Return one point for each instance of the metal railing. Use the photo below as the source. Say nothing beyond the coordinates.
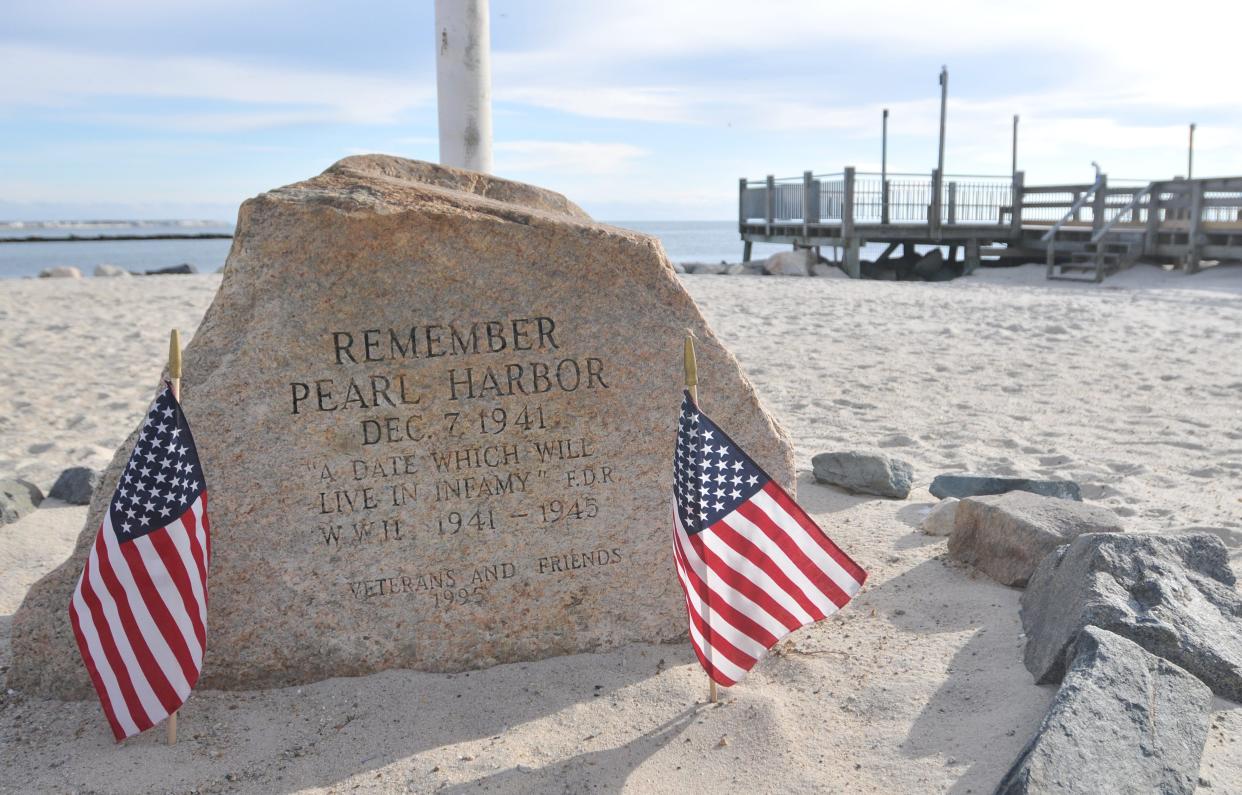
(866, 197)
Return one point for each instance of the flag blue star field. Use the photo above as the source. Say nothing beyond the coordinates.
(753, 565)
(139, 611)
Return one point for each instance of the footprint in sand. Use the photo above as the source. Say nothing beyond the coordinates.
(1055, 460)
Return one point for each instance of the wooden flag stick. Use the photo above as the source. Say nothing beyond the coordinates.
(174, 363)
(692, 386)
(174, 378)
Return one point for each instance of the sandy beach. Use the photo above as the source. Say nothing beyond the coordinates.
(1132, 388)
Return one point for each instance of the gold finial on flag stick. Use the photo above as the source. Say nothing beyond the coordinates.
(174, 378)
(692, 386)
(174, 362)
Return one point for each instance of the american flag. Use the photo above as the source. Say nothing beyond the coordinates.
(139, 611)
(753, 565)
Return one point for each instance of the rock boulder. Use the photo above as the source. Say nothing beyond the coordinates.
(960, 486)
(1007, 535)
(940, 520)
(1123, 721)
(60, 272)
(17, 498)
(790, 263)
(864, 473)
(111, 271)
(1173, 595)
(174, 270)
(435, 411)
(75, 486)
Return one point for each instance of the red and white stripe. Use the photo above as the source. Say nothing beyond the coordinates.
(139, 614)
(756, 575)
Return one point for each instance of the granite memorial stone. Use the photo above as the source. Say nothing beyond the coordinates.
(436, 414)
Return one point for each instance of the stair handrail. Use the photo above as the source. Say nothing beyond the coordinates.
(1129, 206)
(1078, 204)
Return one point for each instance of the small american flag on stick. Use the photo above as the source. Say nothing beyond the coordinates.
(139, 611)
(752, 563)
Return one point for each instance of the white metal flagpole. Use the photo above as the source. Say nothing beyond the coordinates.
(464, 84)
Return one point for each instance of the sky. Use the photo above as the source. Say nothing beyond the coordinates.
(635, 109)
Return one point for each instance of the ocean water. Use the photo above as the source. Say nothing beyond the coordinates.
(27, 259)
(685, 241)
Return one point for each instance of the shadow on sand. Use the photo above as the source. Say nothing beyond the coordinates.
(602, 771)
(987, 706)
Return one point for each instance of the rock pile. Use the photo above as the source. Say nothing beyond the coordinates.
(1172, 595)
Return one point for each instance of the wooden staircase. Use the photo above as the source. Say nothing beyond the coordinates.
(1115, 252)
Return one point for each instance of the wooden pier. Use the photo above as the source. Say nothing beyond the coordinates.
(1083, 232)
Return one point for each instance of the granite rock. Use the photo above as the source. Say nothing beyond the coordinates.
(1123, 721)
(864, 473)
(60, 272)
(1007, 535)
(930, 264)
(790, 263)
(174, 270)
(1173, 595)
(17, 498)
(111, 271)
(940, 519)
(75, 486)
(434, 411)
(706, 268)
(966, 485)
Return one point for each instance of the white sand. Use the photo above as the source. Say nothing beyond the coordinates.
(1134, 388)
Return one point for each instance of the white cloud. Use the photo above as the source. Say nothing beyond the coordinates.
(39, 76)
(575, 158)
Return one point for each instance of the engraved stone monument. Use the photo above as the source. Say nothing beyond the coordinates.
(435, 411)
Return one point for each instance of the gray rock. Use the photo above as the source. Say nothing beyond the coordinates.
(17, 498)
(60, 272)
(1007, 535)
(183, 268)
(826, 271)
(75, 485)
(930, 263)
(866, 473)
(678, 267)
(1123, 721)
(966, 485)
(735, 269)
(1172, 595)
(940, 520)
(790, 263)
(111, 271)
(708, 268)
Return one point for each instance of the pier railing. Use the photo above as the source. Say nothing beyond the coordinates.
(864, 197)
(875, 198)
(1179, 218)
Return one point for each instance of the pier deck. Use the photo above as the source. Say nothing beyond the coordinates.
(1082, 231)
